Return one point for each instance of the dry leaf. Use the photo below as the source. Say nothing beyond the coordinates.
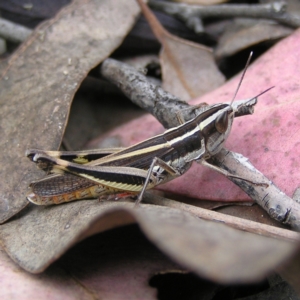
(39, 235)
(117, 264)
(188, 69)
(39, 82)
(42, 234)
(94, 111)
(244, 33)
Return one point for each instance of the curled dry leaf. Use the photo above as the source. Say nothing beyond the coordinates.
(39, 82)
(41, 235)
(117, 264)
(188, 69)
(269, 137)
(241, 34)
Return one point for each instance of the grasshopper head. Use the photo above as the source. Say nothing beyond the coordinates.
(216, 129)
(220, 125)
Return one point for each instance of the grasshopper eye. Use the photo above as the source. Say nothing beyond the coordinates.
(221, 122)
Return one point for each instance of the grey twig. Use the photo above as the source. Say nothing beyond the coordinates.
(164, 106)
(274, 11)
(143, 93)
(236, 222)
(152, 98)
(13, 32)
(262, 190)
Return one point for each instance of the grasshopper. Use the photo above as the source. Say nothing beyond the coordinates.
(78, 175)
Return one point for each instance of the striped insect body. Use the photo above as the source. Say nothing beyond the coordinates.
(133, 169)
(78, 175)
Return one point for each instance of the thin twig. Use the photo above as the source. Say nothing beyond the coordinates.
(273, 11)
(235, 222)
(152, 98)
(277, 204)
(13, 32)
(143, 93)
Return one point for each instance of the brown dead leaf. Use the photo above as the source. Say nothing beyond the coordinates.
(39, 82)
(117, 264)
(38, 237)
(188, 69)
(244, 33)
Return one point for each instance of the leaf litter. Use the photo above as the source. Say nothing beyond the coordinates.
(185, 238)
(188, 69)
(38, 235)
(241, 34)
(106, 266)
(40, 80)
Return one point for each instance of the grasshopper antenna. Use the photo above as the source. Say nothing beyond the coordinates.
(243, 75)
(263, 92)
